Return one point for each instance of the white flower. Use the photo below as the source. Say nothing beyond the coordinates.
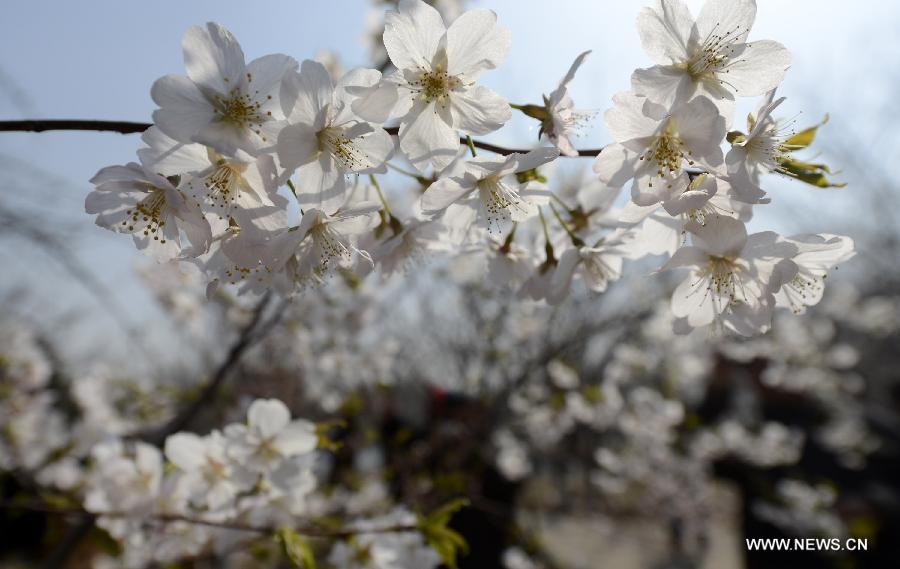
(325, 141)
(227, 187)
(707, 57)
(223, 102)
(238, 257)
(563, 119)
(308, 253)
(433, 91)
(662, 226)
(378, 550)
(653, 145)
(758, 152)
(599, 265)
(417, 239)
(121, 482)
(480, 187)
(269, 436)
(502, 262)
(730, 273)
(129, 199)
(213, 478)
(804, 282)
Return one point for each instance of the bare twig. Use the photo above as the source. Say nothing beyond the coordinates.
(309, 531)
(125, 127)
(247, 338)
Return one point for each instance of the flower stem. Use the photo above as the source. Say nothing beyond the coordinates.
(387, 208)
(576, 241)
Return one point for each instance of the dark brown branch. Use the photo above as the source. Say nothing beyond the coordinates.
(122, 127)
(125, 127)
(309, 531)
(247, 338)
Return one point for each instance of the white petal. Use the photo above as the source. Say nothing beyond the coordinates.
(649, 187)
(379, 103)
(757, 68)
(721, 235)
(213, 58)
(626, 120)
(320, 184)
(729, 18)
(298, 437)
(663, 84)
(479, 111)
(427, 137)
(615, 165)
(184, 111)
(362, 217)
(535, 158)
(267, 417)
(561, 282)
(297, 144)
(169, 157)
(475, 43)
(413, 35)
(693, 299)
(305, 97)
(702, 129)
(354, 84)
(686, 257)
(373, 150)
(186, 451)
(570, 74)
(265, 76)
(665, 31)
(442, 193)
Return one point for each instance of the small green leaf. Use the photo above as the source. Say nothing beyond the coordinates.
(326, 442)
(803, 138)
(735, 137)
(807, 172)
(446, 542)
(296, 549)
(530, 176)
(534, 111)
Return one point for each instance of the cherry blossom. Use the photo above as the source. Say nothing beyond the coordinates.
(433, 91)
(324, 141)
(223, 102)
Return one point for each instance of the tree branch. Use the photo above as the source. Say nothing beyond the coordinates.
(125, 127)
(245, 340)
(122, 127)
(309, 531)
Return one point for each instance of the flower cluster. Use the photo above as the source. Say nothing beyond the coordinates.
(231, 135)
(259, 472)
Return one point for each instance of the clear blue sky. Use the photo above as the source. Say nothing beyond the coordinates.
(98, 59)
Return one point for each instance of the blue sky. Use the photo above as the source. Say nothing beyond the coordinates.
(98, 59)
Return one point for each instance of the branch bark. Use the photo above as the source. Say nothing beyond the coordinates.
(246, 339)
(309, 531)
(125, 127)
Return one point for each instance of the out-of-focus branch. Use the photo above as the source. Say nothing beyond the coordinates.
(122, 127)
(309, 531)
(125, 127)
(250, 334)
(59, 251)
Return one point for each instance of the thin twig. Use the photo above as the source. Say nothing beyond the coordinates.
(245, 340)
(125, 127)
(309, 531)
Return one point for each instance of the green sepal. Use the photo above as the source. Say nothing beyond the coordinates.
(807, 172)
(803, 138)
(735, 137)
(447, 543)
(296, 549)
